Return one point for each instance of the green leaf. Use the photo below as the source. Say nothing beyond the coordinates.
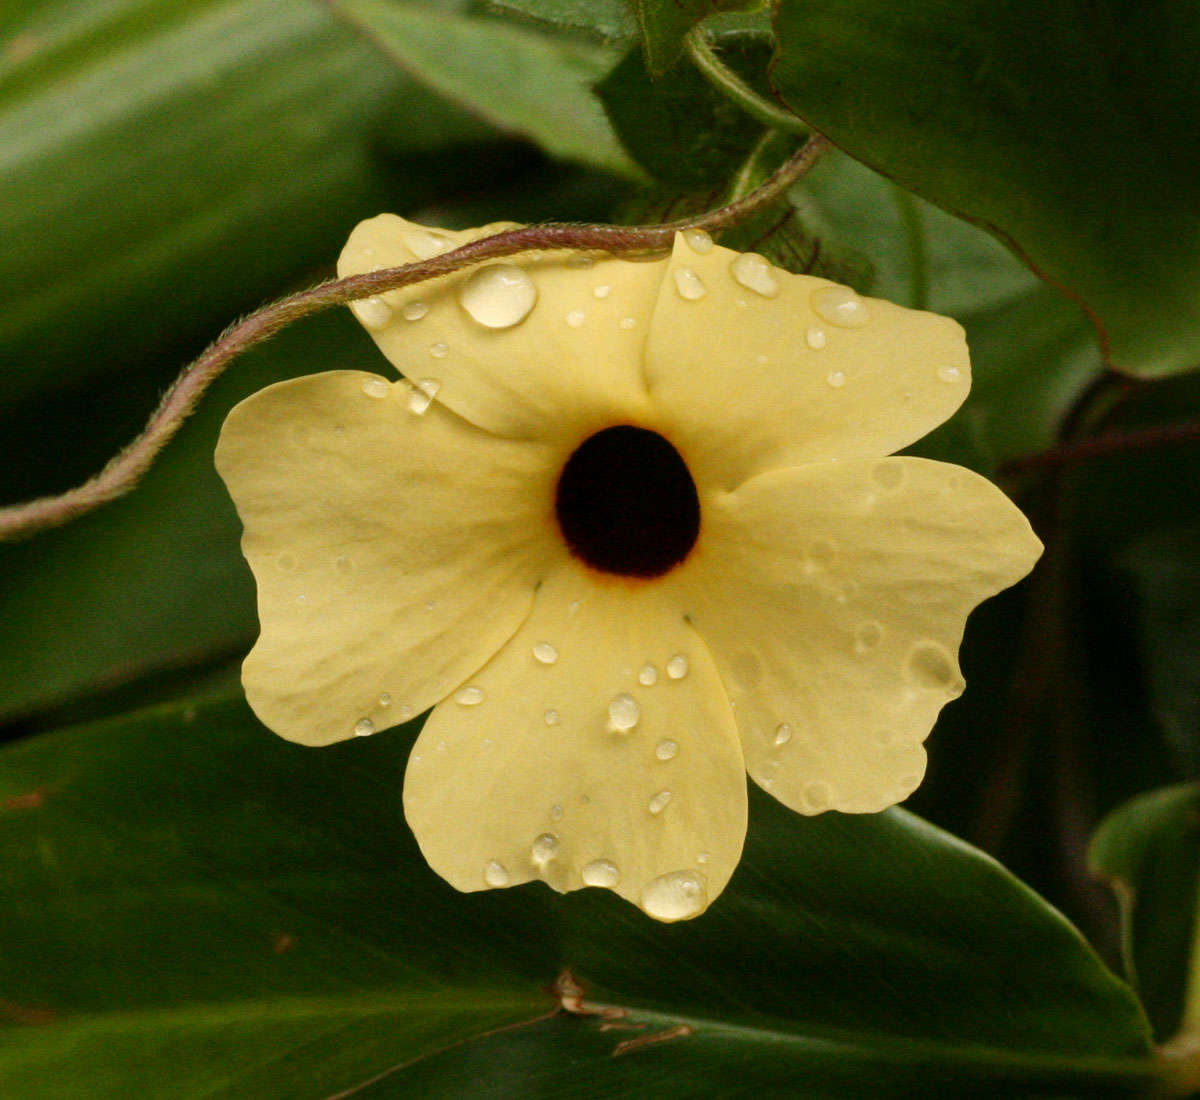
(610, 19)
(1149, 852)
(169, 163)
(1056, 127)
(199, 907)
(679, 128)
(521, 81)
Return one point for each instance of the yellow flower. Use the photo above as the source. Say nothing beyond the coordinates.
(630, 529)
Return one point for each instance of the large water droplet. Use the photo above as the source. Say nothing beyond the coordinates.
(754, 273)
(545, 653)
(698, 241)
(601, 872)
(783, 733)
(867, 637)
(414, 310)
(375, 313)
(815, 338)
(498, 295)
(688, 283)
(674, 896)
(623, 712)
(666, 749)
(545, 848)
(659, 802)
(931, 665)
(424, 243)
(375, 387)
(495, 873)
(364, 727)
(648, 676)
(839, 305)
(469, 696)
(421, 396)
(949, 374)
(677, 667)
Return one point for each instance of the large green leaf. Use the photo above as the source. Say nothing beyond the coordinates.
(522, 81)
(197, 907)
(1149, 852)
(165, 164)
(1056, 126)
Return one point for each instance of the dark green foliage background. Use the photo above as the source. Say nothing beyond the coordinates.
(195, 908)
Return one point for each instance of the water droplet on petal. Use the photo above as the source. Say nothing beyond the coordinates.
(601, 291)
(815, 338)
(688, 283)
(385, 700)
(421, 396)
(576, 318)
(495, 873)
(888, 475)
(677, 667)
(698, 241)
(545, 653)
(600, 872)
(628, 322)
(867, 637)
(648, 676)
(545, 848)
(469, 696)
(666, 749)
(414, 310)
(754, 273)
(817, 796)
(405, 711)
(556, 812)
(439, 350)
(839, 305)
(375, 313)
(949, 374)
(702, 857)
(930, 665)
(783, 733)
(552, 717)
(581, 260)
(674, 896)
(623, 712)
(659, 802)
(364, 727)
(424, 243)
(498, 295)
(375, 387)
(836, 378)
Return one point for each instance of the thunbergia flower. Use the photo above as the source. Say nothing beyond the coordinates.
(631, 529)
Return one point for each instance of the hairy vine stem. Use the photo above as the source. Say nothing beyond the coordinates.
(126, 469)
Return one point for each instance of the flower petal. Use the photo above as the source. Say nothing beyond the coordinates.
(561, 761)
(529, 346)
(833, 598)
(395, 551)
(752, 375)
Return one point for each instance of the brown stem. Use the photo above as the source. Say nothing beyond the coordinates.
(1109, 443)
(126, 469)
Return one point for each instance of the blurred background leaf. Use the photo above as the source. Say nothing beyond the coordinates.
(198, 905)
(1056, 127)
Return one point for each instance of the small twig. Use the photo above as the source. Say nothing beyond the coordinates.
(125, 470)
(1110, 443)
(734, 88)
